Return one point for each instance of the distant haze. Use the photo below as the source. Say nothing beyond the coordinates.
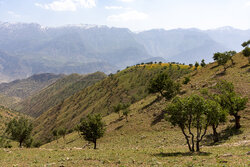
(27, 49)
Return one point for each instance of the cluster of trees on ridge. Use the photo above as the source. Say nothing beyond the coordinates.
(192, 114)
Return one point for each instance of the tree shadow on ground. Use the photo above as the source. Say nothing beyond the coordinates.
(116, 121)
(214, 67)
(245, 66)
(119, 127)
(158, 118)
(182, 154)
(71, 141)
(224, 135)
(220, 74)
(151, 103)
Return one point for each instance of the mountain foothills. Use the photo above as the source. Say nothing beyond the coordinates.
(27, 49)
(57, 92)
(15, 91)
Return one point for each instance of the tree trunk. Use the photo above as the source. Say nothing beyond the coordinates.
(215, 134)
(187, 139)
(20, 144)
(232, 61)
(198, 146)
(94, 144)
(237, 121)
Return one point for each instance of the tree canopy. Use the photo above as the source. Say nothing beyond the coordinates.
(223, 58)
(230, 100)
(163, 84)
(92, 128)
(245, 44)
(188, 113)
(20, 130)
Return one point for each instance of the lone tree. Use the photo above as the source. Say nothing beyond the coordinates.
(189, 113)
(203, 64)
(92, 128)
(222, 59)
(163, 84)
(20, 130)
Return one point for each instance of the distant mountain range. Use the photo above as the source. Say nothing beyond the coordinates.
(27, 49)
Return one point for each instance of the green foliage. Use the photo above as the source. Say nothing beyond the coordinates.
(246, 53)
(230, 100)
(245, 44)
(203, 64)
(196, 65)
(221, 59)
(62, 132)
(186, 80)
(188, 113)
(164, 85)
(216, 115)
(20, 130)
(93, 128)
(5, 143)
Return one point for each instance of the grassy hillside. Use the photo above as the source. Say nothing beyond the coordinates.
(55, 93)
(146, 139)
(127, 86)
(16, 90)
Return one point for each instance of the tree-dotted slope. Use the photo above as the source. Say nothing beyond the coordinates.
(127, 86)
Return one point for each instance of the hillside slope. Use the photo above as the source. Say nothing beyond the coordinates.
(55, 93)
(148, 140)
(127, 86)
(20, 89)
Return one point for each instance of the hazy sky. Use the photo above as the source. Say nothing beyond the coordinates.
(133, 14)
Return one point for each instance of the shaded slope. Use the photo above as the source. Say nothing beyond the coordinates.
(127, 86)
(26, 87)
(56, 93)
